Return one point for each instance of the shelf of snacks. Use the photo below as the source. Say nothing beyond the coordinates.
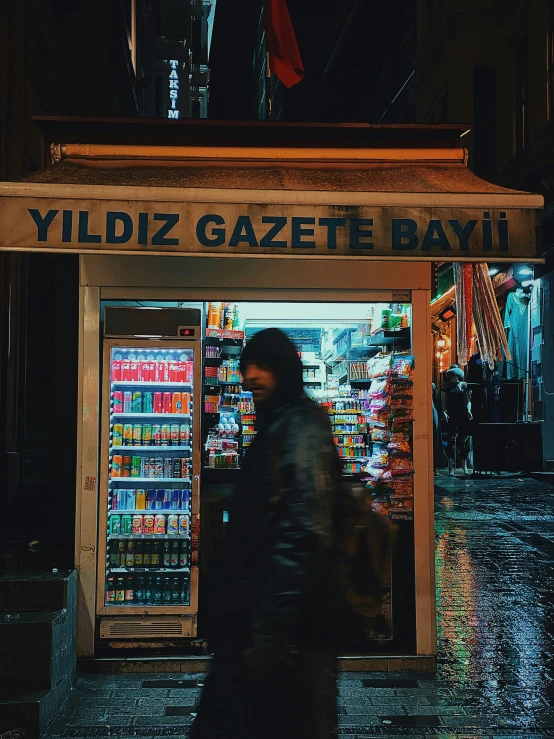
(389, 471)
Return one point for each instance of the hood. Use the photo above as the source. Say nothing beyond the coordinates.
(272, 348)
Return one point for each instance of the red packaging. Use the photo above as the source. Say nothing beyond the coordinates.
(160, 372)
(134, 371)
(126, 370)
(174, 372)
(117, 402)
(158, 403)
(145, 371)
(152, 371)
(167, 403)
(190, 371)
(183, 371)
(116, 370)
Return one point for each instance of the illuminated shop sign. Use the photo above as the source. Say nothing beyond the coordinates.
(173, 111)
(442, 233)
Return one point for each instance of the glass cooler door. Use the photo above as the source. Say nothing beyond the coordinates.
(148, 505)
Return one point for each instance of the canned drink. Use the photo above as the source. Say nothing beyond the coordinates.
(117, 404)
(150, 499)
(156, 434)
(114, 500)
(174, 431)
(175, 500)
(134, 371)
(137, 434)
(157, 401)
(152, 370)
(167, 499)
(160, 523)
(183, 371)
(156, 467)
(130, 500)
(185, 500)
(176, 402)
(126, 525)
(145, 467)
(147, 403)
(140, 500)
(184, 434)
(126, 467)
(185, 468)
(128, 434)
(116, 370)
(166, 434)
(174, 374)
(167, 467)
(137, 401)
(135, 466)
(162, 374)
(148, 524)
(117, 465)
(127, 402)
(136, 525)
(115, 525)
(184, 524)
(146, 434)
(117, 438)
(176, 468)
(166, 403)
(185, 403)
(126, 370)
(159, 503)
(144, 371)
(173, 524)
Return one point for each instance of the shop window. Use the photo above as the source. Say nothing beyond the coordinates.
(522, 96)
(484, 119)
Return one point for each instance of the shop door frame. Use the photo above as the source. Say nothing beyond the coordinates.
(379, 282)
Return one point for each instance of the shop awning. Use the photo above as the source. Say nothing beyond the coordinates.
(380, 192)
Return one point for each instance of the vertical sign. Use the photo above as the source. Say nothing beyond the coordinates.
(173, 111)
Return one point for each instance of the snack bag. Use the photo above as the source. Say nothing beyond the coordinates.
(400, 443)
(400, 465)
(379, 388)
(380, 456)
(403, 366)
(379, 366)
(380, 435)
(379, 417)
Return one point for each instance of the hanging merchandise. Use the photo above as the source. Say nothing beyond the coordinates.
(476, 304)
(516, 320)
(488, 323)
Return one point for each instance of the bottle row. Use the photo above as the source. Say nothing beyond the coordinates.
(150, 434)
(149, 554)
(142, 369)
(137, 402)
(162, 499)
(150, 467)
(172, 524)
(149, 590)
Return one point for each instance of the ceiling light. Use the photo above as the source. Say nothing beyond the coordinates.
(493, 271)
(527, 283)
(525, 271)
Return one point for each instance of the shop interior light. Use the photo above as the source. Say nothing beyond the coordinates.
(448, 313)
(527, 283)
(493, 271)
(525, 271)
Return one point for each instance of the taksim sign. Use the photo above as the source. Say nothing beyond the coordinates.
(173, 111)
(253, 229)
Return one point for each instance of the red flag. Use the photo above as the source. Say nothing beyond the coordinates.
(284, 56)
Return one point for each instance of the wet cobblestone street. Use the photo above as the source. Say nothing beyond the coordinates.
(495, 677)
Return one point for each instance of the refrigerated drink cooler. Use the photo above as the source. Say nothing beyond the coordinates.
(148, 518)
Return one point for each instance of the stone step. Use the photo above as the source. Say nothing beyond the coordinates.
(32, 712)
(37, 650)
(549, 465)
(36, 591)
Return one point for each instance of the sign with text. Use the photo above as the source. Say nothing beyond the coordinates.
(248, 229)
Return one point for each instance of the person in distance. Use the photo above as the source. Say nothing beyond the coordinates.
(274, 667)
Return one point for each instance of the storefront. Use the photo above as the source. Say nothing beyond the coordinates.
(326, 232)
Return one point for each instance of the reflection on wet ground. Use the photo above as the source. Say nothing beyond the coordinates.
(495, 600)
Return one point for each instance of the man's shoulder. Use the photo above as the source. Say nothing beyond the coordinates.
(305, 412)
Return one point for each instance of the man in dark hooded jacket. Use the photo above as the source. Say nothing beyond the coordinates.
(274, 668)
